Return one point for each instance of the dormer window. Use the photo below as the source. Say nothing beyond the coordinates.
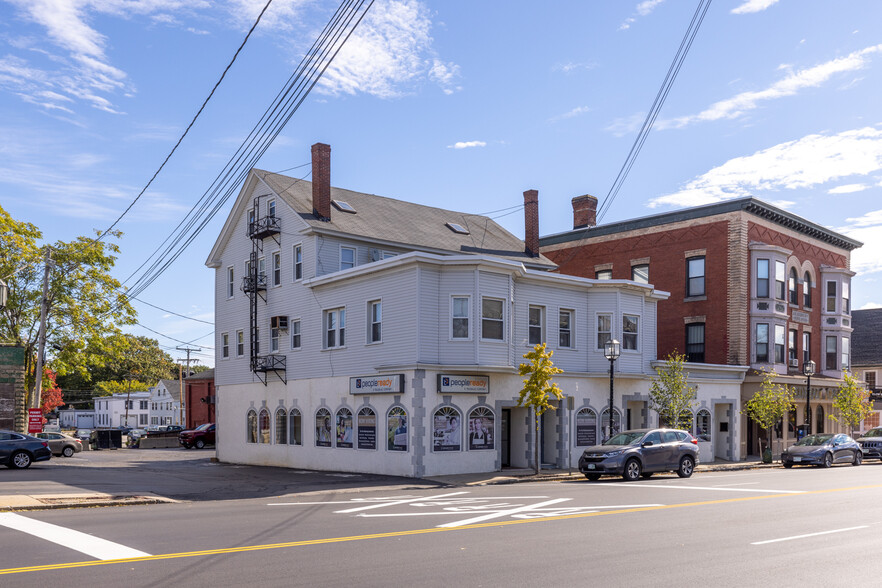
(457, 228)
(344, 206)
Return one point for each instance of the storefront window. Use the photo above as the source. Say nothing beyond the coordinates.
(344, 428)
(264, 423)
(367, 428)
(446, 433)
(586, 428)
(481, 429)
(251, 427)
(396, 425)
(323, 428)
(703, 425)
(295, 427)
(281, 427)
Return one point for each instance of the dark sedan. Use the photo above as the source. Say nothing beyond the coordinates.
(823, 450)
(19, 451)
(871, 443)
(641, 452)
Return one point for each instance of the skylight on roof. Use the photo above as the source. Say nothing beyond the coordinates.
(344, 206)
(457, 228)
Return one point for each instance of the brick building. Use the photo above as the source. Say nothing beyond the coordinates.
(199, 399)
(750, 284)
(13, 395)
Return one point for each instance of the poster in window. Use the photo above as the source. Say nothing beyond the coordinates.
(344, 429)
(367, 429)
(480, 432)
(397, 426)
(586, 428)
(445, 431)
(323, 429)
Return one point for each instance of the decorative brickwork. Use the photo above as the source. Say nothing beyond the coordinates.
(12, 389)
(739, 295)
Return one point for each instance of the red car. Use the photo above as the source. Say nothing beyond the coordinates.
(199, 437)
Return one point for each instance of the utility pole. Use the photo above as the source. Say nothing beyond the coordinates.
(188, 349)
(128, 398)
(41, 338)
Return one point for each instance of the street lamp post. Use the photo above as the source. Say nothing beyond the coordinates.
(808, 369)
(611, 350)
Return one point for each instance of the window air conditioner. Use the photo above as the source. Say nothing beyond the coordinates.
(279, 322)
(794, 363)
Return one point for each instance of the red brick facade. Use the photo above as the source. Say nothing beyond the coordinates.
(199, 397)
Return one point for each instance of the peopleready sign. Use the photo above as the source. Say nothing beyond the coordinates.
(386, 384)
(452, 384)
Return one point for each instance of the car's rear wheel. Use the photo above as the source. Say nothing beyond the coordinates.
(593, 477)
(828, 460)
(632, 470)
(687, 466)
(20, 460)
(200, 443)
(858, 458)
(68, 451)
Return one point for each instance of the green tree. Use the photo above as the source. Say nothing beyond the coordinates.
(120, 387)
(538, 387)
(670, 394)
(852, 403)
(769, 405)
(118, 356)
(84, 303)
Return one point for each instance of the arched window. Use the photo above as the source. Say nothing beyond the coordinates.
(791, 286)
(251, 430)
(819, 428)
(396, 425)
(446, 431)
(606, 433)
(323, 428)
(281, 427)
(481, 428)
(807, 290)
(344, 428)
(367, 428)
(703, 425)
(294, 426)
(263, 422)
(586, 428)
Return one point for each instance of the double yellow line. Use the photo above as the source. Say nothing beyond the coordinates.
(308, 542)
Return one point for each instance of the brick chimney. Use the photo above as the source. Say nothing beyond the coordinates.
(584, 211)
(531, 223)
(321, 181)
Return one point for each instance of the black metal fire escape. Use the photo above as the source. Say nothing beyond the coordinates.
(255, 285)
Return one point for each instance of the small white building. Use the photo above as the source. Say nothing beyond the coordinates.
(123, 409)
(165, 403)
(72, 418)
(361, 333)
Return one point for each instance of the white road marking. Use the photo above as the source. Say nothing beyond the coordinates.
(405, 501)
(809, 535)
(719, 488)
(532, 507)
(82, 542)
(739, 484)
(504, 513)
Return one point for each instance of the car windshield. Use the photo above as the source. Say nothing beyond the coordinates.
(626, 438)
(815, 440)
(874, 433)
(203, 427)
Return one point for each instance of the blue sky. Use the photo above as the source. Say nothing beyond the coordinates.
(459, 104)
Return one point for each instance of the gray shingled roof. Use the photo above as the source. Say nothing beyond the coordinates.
(406, 223)
(203, 375)
(174, 388)
(866, 340)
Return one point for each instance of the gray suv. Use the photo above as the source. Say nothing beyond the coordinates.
(871, 443)
(641, 452)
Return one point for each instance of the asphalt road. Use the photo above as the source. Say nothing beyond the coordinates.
(800, 527)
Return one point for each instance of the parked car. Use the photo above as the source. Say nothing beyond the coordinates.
(83, 435)
(61, 444)
(199, 437)
(641, 452)
(174, 428)
(823, 450)
(18, 450)
(871, 443)
(135, 435)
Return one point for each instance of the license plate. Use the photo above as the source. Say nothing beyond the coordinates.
(797, 459)
(590, 466)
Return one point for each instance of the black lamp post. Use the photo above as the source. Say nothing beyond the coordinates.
(611, 350)
(808, 369)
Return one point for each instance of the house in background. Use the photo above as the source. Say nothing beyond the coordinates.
(73, 418)
(867, 357)
(362, 333)
(751, 285)
(123, 409)
(199, 399)
(165, 403)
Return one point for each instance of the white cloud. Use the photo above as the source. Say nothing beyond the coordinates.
(626, 125)
(467, 144)
(572, 66)
(848, 189)
(389, 53)
(579, 110)
(783, 204)
(868, 230)
(753, 6)
(790, 85)
(870, 305)
(645, 8)
(805, 163)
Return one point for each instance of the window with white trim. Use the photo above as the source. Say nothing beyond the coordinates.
(536, 320)
(603, 274)
(240, 343)
(375, 321)
(298, 262)
(335, 328)
(845, 359)
(492, 324)
(780, 336)
(762, 343)
(225, 345)
(275, 334)
(251, 426)
(792, 288)
(231, 282)
(295, 427)
(780, 280)
(460, 313)
(762, 278)
(695, 276)
(830, 355)
(295, 334)
(806, 346)
(630, 331)
(565, 329)
(640, 273)
(281, 427)
(277, 269)
(831, 296)
(604, 329)
(263, 426)
(347, 257)
(271, 209)
(807, 290)
(846, 303)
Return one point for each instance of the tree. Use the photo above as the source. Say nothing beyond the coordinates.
(770, 403)
(670, 394)
(51, 398)
(538, 387)
(852, 402)
(122, 355)
(84, 303)
(110, 387)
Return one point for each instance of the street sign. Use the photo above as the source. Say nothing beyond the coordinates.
(35, 420)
